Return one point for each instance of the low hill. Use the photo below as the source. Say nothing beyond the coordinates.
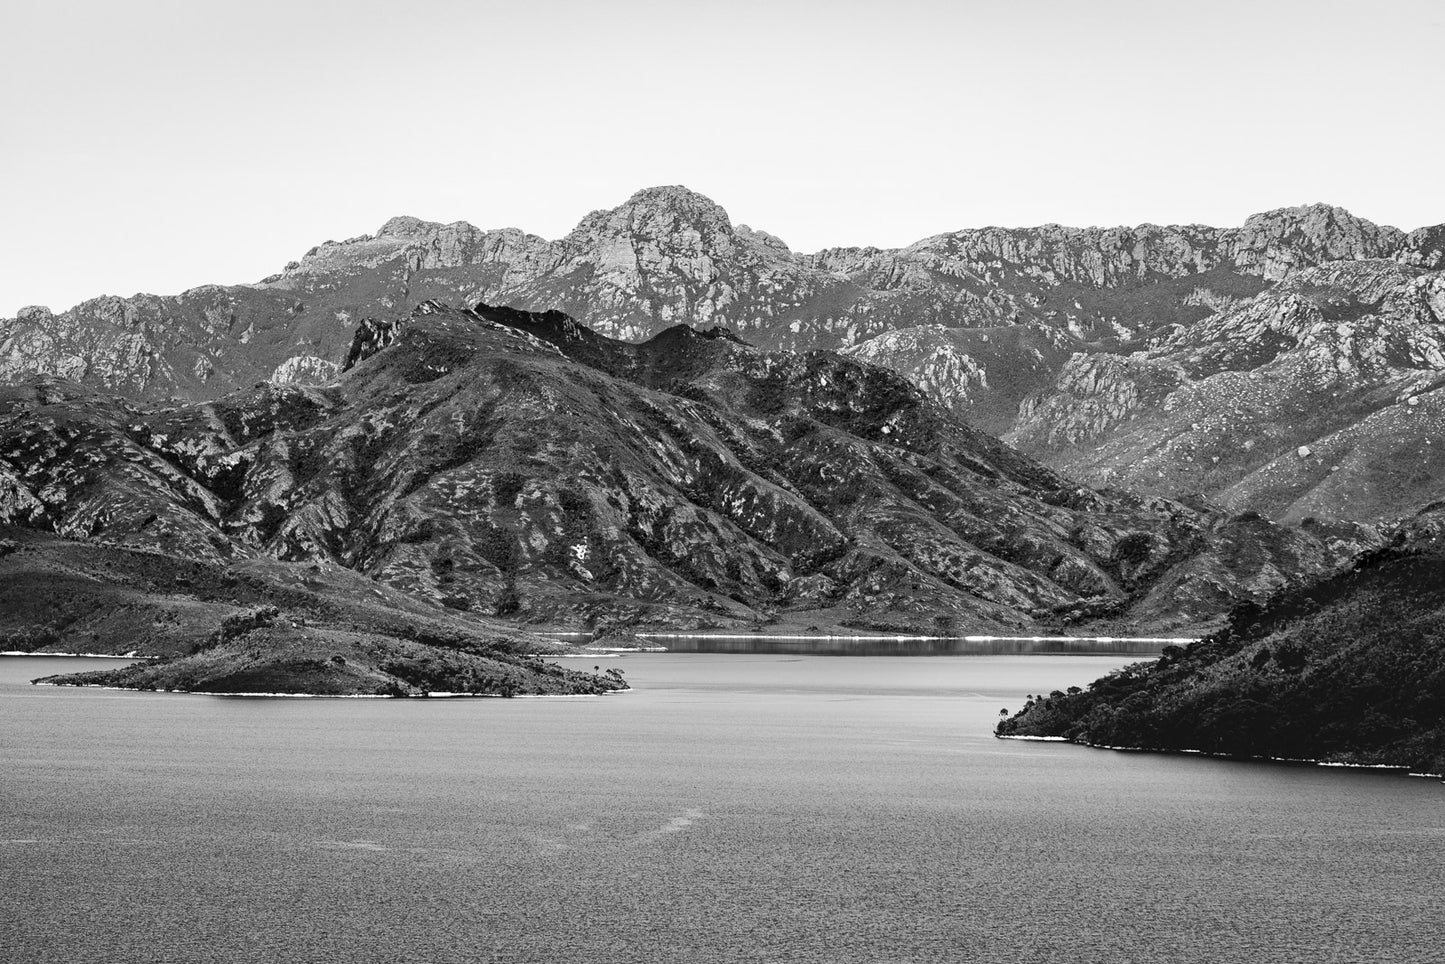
(255, 625)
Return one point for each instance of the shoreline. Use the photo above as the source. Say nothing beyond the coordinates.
(340, 696)
(902, 637)
(131, 655)
(1394, 769)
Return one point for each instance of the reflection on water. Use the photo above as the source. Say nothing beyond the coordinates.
(916, 645)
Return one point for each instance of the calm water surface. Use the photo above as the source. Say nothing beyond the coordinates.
(731, 808)
(913, 645)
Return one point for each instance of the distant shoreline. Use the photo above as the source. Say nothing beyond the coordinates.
(337, 696)
(130, 655)
(901, 638)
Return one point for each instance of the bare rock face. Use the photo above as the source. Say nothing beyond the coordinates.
(519, 464)
(370, 337)
(304, 370)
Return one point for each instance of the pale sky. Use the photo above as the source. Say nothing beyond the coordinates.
(154, 145)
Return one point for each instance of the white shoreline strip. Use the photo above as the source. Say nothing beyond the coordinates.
(131, 655)
(344, 696)
(1395, 768)
(614, 650)
(967, 639)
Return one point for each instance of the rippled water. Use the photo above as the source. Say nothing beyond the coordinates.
(732, 808)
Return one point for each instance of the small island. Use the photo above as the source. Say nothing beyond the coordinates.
(259, 626)
(1346, 671)
(273, 661)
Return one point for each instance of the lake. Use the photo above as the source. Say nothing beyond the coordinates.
(733, 807)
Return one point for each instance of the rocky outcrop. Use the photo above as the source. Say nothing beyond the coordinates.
(304, 370)
(370, 337)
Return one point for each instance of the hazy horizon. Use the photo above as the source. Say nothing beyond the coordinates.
(155, 145)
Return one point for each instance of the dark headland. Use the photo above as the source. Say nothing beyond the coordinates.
(1348, 670)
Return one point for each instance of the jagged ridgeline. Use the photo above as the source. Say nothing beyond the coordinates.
(1349, 669)
(522, 465)
(1164, 359)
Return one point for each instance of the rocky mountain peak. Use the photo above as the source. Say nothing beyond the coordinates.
(671, 215)
(34, 313)
(666, 255)
(406, 226)
(675, 197)
(1279, 242)
(1318, 220)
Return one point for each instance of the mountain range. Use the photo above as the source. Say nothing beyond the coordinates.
(1288, 366)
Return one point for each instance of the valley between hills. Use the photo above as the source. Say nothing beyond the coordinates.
(383, 469)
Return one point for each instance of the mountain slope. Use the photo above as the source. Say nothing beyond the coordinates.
(522, 465)
(1318, 397)
(1349, 669)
